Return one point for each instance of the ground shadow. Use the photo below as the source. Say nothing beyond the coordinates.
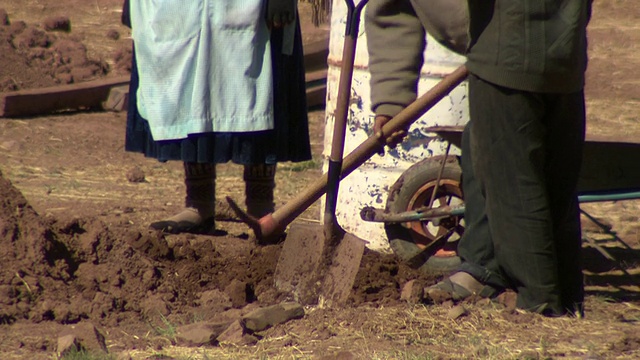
(615, 269)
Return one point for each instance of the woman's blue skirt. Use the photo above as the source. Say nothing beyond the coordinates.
(288, 141)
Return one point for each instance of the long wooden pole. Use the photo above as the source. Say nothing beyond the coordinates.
(274, 223)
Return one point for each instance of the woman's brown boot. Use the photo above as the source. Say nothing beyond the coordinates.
(198, 215)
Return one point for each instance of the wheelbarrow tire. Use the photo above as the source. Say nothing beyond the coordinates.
(412, 190)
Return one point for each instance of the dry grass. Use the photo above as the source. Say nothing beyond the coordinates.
(427, 332)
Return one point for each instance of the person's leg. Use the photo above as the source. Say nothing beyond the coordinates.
(479, 272)
(479, 266)
(476, 246)
(509, 158)
(259, 181)
(566, 124)
(199, 212)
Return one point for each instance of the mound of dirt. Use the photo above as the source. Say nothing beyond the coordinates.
(71, 270)
(34, 56)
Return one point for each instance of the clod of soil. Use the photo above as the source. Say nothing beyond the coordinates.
(57, 23)
(4, 17)
(135, 175)
(113, 34)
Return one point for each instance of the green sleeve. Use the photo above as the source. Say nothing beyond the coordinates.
(396, 42)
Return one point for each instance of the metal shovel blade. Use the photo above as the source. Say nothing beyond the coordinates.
(297, 271)
(311, 267)
(341, 275)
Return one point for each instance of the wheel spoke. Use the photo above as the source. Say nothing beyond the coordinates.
(446, 200)
(459, 229)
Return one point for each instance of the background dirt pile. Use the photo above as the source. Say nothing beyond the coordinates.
(41, 55)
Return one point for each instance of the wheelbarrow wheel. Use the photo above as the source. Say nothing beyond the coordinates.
(414, 190)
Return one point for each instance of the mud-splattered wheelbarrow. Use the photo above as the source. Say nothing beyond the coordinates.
(424, 213)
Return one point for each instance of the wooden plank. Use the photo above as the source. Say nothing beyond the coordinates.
(316, 76)
(316, 54)
(86, 95)
(316, 87)
(316, 96)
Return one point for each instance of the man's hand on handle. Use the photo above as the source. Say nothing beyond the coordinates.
(391, 140)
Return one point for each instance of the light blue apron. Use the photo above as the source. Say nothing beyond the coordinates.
(204, 65)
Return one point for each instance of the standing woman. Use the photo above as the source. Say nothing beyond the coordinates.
(214, 81)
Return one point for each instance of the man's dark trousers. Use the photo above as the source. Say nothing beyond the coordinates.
(521, 160)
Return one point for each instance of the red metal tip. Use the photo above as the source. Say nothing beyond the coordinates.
(265, 229)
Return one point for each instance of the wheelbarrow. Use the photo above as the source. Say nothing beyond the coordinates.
(424, 214)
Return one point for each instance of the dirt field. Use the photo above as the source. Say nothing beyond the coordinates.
(76, 253)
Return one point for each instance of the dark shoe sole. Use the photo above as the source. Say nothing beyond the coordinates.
(207, 227)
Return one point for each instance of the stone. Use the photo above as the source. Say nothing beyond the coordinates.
(66, 344)
(457, 312)
(118, 99)
(199, 334)
(84, 335)
(412, 292)
(263, 318)
(233, 334)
